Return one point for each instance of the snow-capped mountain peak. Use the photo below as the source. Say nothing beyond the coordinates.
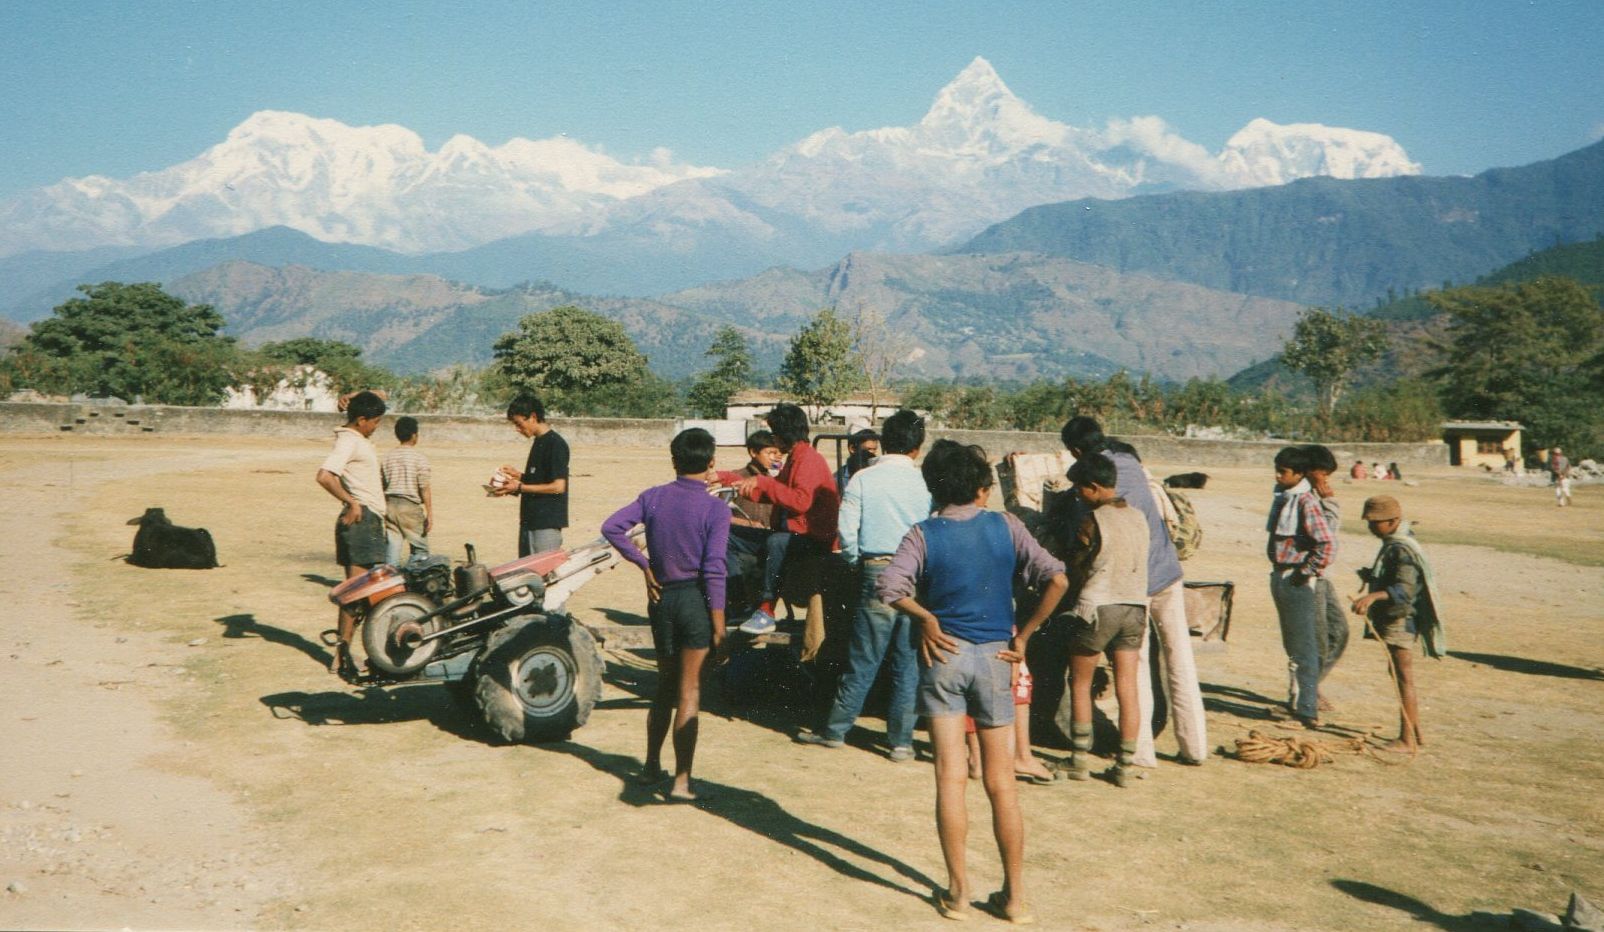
(977, 108)
(979, 155)
(1265, 153)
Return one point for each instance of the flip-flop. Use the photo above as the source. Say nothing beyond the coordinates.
(997, 905)
(652, 776)
(1039, 779)
(948, 907)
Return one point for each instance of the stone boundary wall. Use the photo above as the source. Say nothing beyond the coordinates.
(104, 420)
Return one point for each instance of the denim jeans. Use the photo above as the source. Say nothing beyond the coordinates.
(1299, 608)
(878, 632)
(539, 540)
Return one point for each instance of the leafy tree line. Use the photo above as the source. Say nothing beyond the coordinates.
(1528, 351)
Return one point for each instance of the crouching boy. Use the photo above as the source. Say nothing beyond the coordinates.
(687, 532)
(1108, 578)
(1400, 608)
(954, 574)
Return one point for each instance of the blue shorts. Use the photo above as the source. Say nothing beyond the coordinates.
(972, 682)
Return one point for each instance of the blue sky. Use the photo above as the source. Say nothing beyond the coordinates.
(119, 87)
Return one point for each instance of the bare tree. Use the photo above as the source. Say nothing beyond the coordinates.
(880, 350)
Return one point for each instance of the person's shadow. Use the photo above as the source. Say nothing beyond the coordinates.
(758, 813)
(246, 626)
(1528, 666)
(1475, 921)
(748, 809)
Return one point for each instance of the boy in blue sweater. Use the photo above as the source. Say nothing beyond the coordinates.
(954, 575)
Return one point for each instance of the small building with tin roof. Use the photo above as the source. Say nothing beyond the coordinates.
(1481, 443)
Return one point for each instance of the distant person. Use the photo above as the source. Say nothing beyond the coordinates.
(954, 573)
(1166, 589)
(686, 533)
(881, 503)
(408, 499)
(1559, 471)
(1401, 607)
(542, 485)
(351, 474)
(1301, 544)
(1333, 632)
(1358, 470)
(862, 447)
(1394, 473)
(1511, 460)
(1107, 570)
(1377, 471)
(808, 493)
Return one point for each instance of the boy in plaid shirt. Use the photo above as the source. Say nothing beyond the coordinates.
(1301, 546)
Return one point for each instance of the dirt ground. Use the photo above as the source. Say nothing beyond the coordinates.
(177, 756)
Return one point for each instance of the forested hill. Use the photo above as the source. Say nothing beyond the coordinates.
(1323, 241)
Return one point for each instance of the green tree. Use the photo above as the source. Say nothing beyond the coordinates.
(731, 372)
(566, 352)
(129, 341)
(1525, 352)
(340, 361)
(821, 367)
(1327, 346)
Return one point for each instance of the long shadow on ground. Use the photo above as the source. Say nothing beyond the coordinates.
(758, 813)
(430, 702)
(1528, 666)
(745, 808)
(1475, 921)
(246, 626)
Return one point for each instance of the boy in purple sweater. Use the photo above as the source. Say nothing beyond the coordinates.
(687, 533)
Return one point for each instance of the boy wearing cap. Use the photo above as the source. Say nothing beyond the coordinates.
(1400, 607)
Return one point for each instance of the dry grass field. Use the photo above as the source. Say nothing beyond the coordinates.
(177, 756)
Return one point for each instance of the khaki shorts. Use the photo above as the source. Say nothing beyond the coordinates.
(1117, 627)
(1395, 632)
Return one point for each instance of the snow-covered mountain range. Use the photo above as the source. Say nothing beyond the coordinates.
(977, 157)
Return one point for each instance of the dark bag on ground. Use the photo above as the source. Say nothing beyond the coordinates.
(161, 544)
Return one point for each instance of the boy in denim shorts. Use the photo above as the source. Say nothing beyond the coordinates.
(954, 575)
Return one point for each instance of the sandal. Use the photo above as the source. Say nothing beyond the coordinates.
(948, 907)
(651, 776)
(1037, 779)
(997, 905)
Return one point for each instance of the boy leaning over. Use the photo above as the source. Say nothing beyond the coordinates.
(1400, 607)
(687, 532)
(351, 474)
(954, 573)
(1107, 567)
(1301, 545)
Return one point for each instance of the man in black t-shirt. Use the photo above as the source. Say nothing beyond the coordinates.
(542, 485)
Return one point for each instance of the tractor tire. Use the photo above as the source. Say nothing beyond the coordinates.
(382, 627)
(537, 679)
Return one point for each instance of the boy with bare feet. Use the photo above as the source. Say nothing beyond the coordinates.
(687, 533)
(953, 574)
(1108, 573)
(1400, 608)
(351, 474)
